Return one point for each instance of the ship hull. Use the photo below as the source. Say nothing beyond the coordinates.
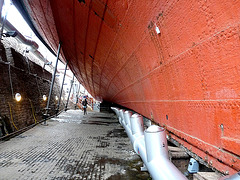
(184, 77)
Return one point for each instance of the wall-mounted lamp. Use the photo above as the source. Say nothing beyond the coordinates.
(44, 97)
(18, 97)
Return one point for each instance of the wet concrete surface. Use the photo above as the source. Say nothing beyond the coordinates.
(72, 146)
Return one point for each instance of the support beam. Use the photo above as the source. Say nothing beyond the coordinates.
(77, 95)
(59, 100)
(69, 93)
(46, 115)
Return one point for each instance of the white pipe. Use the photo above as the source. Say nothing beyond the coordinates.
(163, 169)
(136, 122)
(127, 116)
(121, 111)
(128, 131)
(116, 110)
(151, 145)
(158, 164)
(156, 142)
(231, 177)
(32, 44)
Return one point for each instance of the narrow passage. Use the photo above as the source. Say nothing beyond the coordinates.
(72, 146)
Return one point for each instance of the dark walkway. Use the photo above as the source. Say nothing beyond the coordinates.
(72, 146)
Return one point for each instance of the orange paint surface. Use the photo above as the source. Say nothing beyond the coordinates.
(189, 72)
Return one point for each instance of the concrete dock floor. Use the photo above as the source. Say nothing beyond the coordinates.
(72, 146)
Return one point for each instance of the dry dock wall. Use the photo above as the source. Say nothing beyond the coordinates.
(31, 81)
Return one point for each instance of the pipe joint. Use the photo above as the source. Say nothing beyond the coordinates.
(121, 112)
(137, 124)
(127, 116)
(156, 142)
(150, 145)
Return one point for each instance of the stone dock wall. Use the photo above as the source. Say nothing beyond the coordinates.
(32, 82)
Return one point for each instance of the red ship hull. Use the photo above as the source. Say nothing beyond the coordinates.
(186, 78)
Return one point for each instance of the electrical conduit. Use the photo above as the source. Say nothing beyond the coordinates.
(12, 116)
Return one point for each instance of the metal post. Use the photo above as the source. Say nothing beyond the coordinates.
(52, 83)
(59, 100)
(77, 95)
(69, 94)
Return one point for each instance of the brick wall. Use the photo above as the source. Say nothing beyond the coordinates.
(31, 81)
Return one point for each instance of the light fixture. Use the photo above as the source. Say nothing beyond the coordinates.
(56, 98)
(18, 97)
(44, 97)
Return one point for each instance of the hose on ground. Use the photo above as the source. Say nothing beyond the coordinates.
(12, 116)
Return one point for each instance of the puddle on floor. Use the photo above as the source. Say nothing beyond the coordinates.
(106, 123)
(122, 169)
(117, 133)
